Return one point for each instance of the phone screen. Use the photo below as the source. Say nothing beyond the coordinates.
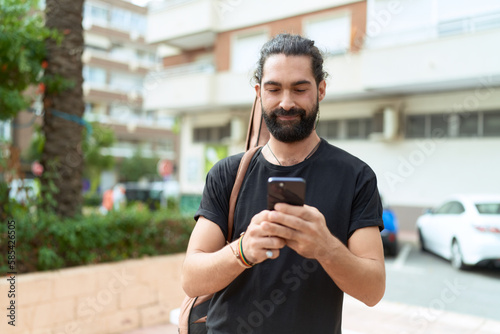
(290, 190)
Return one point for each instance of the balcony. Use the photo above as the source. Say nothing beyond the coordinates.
(196, 87)
(186, 24)
(459, 61)
(192, 24)
(125, 62)
(464, 61)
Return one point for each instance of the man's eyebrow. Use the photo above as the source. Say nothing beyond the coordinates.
(301, 82)
(296, 83)
(273, 83)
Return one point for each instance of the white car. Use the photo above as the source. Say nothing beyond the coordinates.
(465, 229)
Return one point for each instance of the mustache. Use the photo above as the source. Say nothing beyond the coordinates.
(291, 112)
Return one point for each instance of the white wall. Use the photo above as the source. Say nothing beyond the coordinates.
(422, 172)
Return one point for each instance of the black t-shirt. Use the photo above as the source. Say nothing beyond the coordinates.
(290, 294)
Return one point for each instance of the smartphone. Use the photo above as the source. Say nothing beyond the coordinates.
(290, 190)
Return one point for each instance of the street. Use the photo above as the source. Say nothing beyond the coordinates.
(424, 279)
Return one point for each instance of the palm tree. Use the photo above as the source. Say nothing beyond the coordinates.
(63, 108)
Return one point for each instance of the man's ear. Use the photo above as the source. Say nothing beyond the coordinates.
(321, 90)
(257, 90)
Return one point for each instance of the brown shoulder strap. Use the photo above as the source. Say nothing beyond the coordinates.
(257, 132)
(240, 175)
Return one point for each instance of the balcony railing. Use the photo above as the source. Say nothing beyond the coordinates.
(442, 29)
(180, 70)
(166, 4)
(469, 24)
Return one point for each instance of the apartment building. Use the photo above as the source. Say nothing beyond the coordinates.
(116, 60)
(414, 86)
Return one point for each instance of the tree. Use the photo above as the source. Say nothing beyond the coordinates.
(95, 161)
(22, 54)
(97, 138)
(62, 156)
(137, 167)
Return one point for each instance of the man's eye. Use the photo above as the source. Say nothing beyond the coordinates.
(300, 90)
(273, 90)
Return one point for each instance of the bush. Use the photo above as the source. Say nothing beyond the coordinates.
(45, 242)
(92, 200)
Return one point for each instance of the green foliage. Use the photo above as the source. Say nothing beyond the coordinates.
(92, 199)
(47, 242)
(22, 54)
(96, 161)
(137, 167)
(35, 149)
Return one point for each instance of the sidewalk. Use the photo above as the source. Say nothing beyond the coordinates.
(389, 318)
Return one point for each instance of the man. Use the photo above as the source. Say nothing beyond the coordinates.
(297, 261)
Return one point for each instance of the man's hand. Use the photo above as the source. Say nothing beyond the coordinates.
(259, 239)
(304, 229)
(357, 269)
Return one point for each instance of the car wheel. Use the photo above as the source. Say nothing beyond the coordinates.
(421, 241)
(456, 256)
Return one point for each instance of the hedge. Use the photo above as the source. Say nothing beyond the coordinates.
(45, 242)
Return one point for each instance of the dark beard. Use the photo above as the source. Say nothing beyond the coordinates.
(291, 131)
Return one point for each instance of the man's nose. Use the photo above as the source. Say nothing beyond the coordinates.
(287, 102)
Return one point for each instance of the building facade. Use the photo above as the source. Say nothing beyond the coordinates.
(413, 87)
(116, 60)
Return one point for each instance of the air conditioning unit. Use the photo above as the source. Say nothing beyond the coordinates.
(385, 124)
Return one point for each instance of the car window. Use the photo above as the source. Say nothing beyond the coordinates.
(443, 209)
(456, 208)
(488, 208)
(450, 208)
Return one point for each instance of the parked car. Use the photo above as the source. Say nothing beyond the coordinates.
(465, 229)
(390, 232)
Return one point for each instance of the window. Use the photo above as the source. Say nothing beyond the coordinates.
(122, 53)
(245, 51)
(491, 125)
(140, 24)
(120, 19)
(125, 82)
(358, 128)
(415, 126)
(470, 124)
(328, 129)
(95, 15)
(211, 134)
(456, 208)
(439, 125)
(331, 35)
(488, 208)
(94, 75)
(450, 208)
(444, 209)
